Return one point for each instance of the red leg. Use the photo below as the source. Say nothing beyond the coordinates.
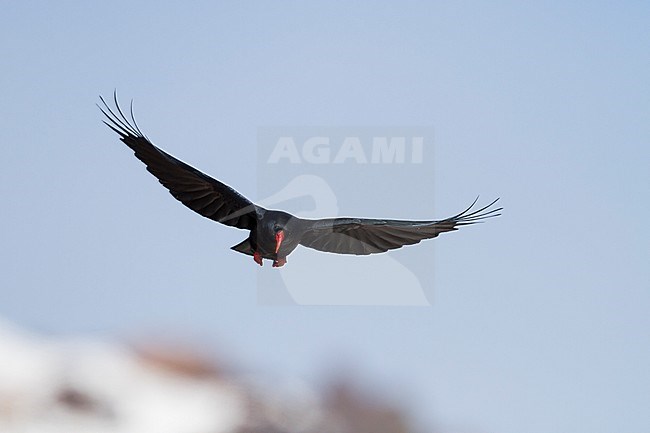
(279, 262)
(258, 258)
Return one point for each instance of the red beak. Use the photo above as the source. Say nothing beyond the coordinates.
(279, 237)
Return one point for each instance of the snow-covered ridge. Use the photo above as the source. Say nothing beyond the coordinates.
(69, 385)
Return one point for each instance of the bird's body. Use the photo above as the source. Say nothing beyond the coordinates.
(263, 240)
(275, 234)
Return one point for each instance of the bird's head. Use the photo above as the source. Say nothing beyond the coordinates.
(277, 226)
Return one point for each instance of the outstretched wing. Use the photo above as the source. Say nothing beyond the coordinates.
(370, 236)
(199, 192)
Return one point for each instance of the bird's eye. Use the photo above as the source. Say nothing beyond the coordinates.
(276, 227)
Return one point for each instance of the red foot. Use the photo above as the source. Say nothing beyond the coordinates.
(258, 258)
(277, 263)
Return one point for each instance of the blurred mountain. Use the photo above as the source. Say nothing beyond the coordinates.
(68, 385)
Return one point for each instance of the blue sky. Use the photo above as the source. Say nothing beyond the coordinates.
(540, 319)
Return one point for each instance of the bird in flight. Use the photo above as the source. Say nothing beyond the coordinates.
(275, 234)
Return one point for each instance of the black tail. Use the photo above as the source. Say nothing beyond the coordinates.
(244, 247)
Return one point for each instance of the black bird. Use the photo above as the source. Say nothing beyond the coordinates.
(275, 234)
